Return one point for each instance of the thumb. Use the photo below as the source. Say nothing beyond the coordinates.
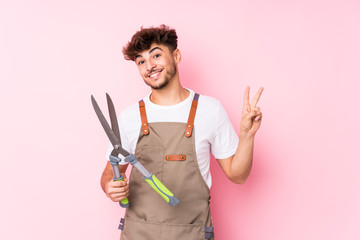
(124, 176)
(251, 114)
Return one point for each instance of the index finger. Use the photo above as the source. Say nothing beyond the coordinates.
(256, 98)
(246, 97)
(118, 183)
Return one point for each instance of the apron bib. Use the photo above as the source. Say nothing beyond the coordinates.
(167, 149)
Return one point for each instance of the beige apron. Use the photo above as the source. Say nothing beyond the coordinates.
(167, 149)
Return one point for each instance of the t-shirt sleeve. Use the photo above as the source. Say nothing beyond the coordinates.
(124, 140)
(225, 140)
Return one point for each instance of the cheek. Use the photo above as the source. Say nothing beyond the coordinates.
(141, 70)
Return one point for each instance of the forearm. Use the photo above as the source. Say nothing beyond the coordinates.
(242, 160)
(105, 178)
(123, 168)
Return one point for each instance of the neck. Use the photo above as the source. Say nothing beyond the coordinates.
(171, 94)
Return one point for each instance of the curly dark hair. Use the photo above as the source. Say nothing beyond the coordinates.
(143, 39)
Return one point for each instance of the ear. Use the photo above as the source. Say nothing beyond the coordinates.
(177, 56)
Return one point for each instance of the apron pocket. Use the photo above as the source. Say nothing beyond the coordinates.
(183, 231)
(140, 230)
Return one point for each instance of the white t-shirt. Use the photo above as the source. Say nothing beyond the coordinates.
(213, 129)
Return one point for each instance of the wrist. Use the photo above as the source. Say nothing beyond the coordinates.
(246, 136)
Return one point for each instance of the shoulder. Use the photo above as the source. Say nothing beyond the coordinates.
(207, 103)
(130, 113)
(208, 100)
(211, 109)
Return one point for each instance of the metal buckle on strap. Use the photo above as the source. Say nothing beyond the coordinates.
(209, 232)
(121, 225)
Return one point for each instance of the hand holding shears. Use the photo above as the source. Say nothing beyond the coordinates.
(116, 190)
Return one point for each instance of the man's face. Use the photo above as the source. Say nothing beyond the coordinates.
(157, 65)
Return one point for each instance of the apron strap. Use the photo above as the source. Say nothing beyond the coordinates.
(190, 122)
(144, 122)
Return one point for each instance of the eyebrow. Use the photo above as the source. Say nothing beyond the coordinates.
(153, 49)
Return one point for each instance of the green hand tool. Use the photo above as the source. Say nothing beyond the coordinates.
(114, 136)
(153, 181)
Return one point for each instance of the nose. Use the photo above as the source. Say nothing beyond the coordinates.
(150, 65)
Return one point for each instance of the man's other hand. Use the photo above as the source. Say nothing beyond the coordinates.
(117, 190)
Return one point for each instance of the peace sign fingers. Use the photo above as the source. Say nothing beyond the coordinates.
(251, 115)
(246, 105)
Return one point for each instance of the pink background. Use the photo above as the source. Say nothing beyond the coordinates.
(305, 178)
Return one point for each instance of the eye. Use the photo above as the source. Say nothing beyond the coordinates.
(156, 55)
(140, 62)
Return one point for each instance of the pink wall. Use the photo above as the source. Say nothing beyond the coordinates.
(54, 54)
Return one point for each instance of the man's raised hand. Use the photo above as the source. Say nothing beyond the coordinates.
(251, 115)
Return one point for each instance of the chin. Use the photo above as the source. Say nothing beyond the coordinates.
(158, 85)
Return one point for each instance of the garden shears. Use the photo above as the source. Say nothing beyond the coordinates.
(113, 134)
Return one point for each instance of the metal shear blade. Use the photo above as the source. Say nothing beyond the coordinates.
(113, 132)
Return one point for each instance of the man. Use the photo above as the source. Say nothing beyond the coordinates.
(178, 128)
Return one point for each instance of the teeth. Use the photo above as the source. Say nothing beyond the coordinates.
(154, 74)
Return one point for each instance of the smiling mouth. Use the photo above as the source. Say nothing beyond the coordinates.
(155, 74)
